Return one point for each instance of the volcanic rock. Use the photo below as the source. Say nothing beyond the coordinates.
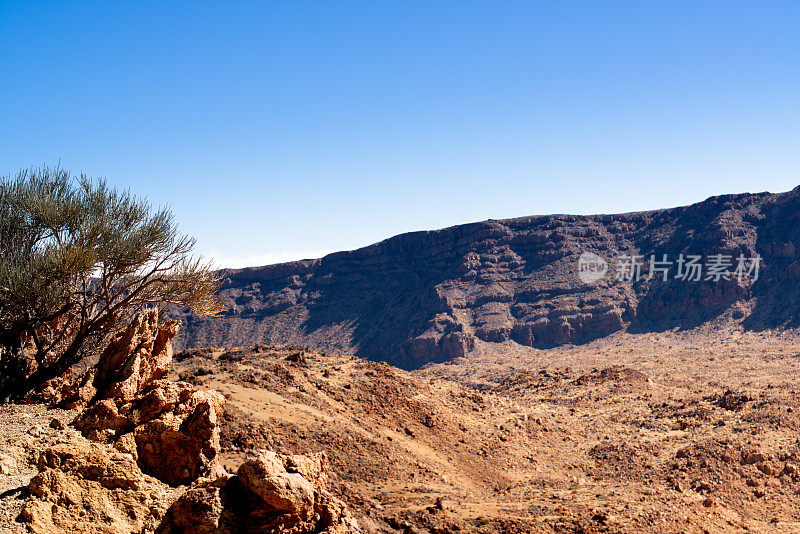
(86, 487)
(270, 493)
(136, 357)
(69, 390)
(179, 449)
(171, 428)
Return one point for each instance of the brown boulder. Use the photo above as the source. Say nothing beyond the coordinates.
(278, 482)
(179, 448)
(87, 487)
(206, 508)
(270, 493)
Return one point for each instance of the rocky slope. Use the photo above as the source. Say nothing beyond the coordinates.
(636, 433)
(115, 468)
(633, 433)
(428, 296)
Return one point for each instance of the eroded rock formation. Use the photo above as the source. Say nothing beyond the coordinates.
(182, 442)
(170, 427)
(69, 390)
(143, 435)
(136, 357)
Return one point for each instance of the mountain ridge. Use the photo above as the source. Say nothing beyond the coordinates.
(427, 296)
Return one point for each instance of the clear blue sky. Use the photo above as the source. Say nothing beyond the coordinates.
(284, 129)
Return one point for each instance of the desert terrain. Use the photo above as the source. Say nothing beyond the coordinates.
(678, 431)
(670, 432)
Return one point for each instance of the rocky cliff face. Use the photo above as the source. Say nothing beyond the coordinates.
(427, 296)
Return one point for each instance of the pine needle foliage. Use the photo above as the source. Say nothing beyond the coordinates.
(78, 258)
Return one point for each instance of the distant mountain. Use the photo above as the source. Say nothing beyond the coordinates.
(426, 296)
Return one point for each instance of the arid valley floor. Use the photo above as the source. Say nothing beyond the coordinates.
(673, 432)
(670, 432)
(635, 433)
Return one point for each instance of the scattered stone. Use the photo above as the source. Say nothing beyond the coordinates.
(271, 492)
(768, 468)
(752, 457)
(8, 464)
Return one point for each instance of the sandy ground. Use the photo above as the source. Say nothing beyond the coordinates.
(25, 431)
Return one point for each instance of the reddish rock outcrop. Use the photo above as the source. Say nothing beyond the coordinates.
(171, 428)
(70, 390)
(182, 443)
(136, 357)
(270, 493)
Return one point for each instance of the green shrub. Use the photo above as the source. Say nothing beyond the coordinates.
(78, 259)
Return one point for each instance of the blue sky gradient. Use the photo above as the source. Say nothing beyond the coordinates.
(278, 130)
